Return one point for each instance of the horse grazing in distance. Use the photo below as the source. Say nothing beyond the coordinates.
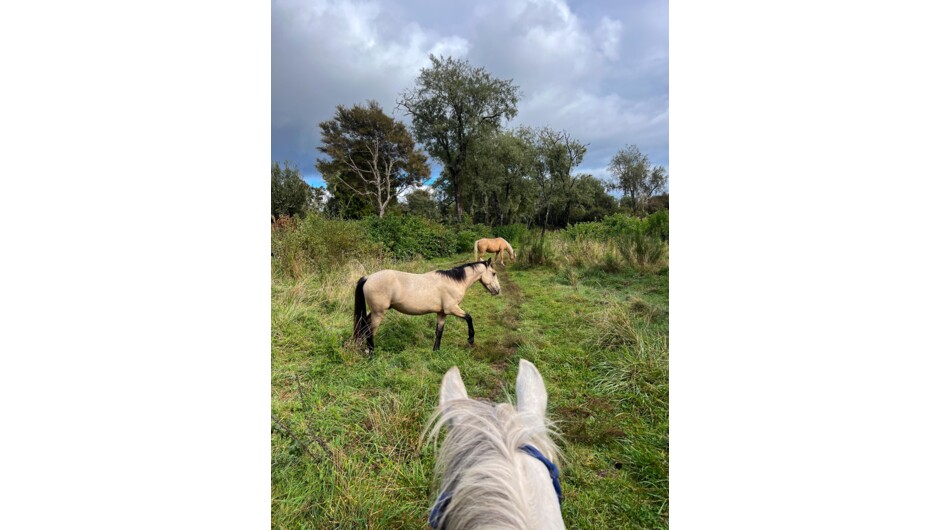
(497, 467)
(418, 294)
(496, 245)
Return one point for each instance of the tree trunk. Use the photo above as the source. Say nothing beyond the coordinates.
(458, 196)
(544, 224)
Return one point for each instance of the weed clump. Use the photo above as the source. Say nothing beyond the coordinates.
(614, 328)
(643, 253)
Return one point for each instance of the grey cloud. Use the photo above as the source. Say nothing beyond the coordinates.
(598, 70)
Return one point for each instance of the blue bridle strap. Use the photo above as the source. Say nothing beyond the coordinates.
(552, 468)
(444, 499)
(435, 519)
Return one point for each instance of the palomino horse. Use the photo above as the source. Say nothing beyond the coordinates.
(496, 245)
(418, 294)
(497, 466)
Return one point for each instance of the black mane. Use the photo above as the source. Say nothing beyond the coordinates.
(458, 273)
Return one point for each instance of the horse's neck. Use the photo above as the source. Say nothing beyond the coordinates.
(536, 502)
(547, 512)
(473, 276)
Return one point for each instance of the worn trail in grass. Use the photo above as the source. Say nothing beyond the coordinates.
(346, 443)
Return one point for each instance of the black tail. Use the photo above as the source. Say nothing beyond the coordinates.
(360, 324)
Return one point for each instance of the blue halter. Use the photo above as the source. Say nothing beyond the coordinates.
(444, 500)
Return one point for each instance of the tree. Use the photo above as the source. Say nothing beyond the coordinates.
(371, 155)
(453, 105)
(290, 195)
(317, 199)
(568, 154)
(500, 190)
(635, 177)
(558, 154)
(421, 202)
(346, 204)
(591, 200)
(659, 202)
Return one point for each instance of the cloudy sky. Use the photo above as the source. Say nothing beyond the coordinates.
(598, 70)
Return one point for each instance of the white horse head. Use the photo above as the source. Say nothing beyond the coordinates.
(497, 467)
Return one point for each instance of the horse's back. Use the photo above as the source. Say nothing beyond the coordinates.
(404, 291)
(492, 244)
(386, 280)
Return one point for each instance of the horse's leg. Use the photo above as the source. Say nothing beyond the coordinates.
(457, 312)
(375, 318)
(499, 254)
(440, 331)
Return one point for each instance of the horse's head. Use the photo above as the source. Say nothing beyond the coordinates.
(497, 465)
(489, 279)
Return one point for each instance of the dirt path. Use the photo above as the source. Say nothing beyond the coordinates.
(498, 350)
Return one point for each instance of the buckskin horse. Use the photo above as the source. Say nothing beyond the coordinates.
(438, 292)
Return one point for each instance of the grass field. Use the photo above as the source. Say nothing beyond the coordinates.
(345, 443)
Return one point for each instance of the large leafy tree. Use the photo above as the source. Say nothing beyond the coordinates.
(421, 202)
(371, 155)
(636, 177)
(557, 155)
(346, 204)
(317, 199)
(591, 200)
(563, 153)
(500, 190)
(290, 195)
(452, 106)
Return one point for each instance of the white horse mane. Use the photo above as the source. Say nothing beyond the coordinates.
(477, 463)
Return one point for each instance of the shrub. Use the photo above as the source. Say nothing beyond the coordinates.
(611, 227)
(407, 236)
(583, 231)
(316, 243)
(619, 225)
(657, 225)
(534, 250)
(462, 237)
(610, 262)
(512, 233)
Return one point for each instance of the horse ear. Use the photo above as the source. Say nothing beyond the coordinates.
(488, 262)
(452, 386)
(531, 397)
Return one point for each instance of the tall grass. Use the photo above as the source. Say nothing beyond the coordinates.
(638, 380)
(643, 253)
(534, 250)
(629, 251)
(318, 244)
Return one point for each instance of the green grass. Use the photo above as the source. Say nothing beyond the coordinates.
(346, 449)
